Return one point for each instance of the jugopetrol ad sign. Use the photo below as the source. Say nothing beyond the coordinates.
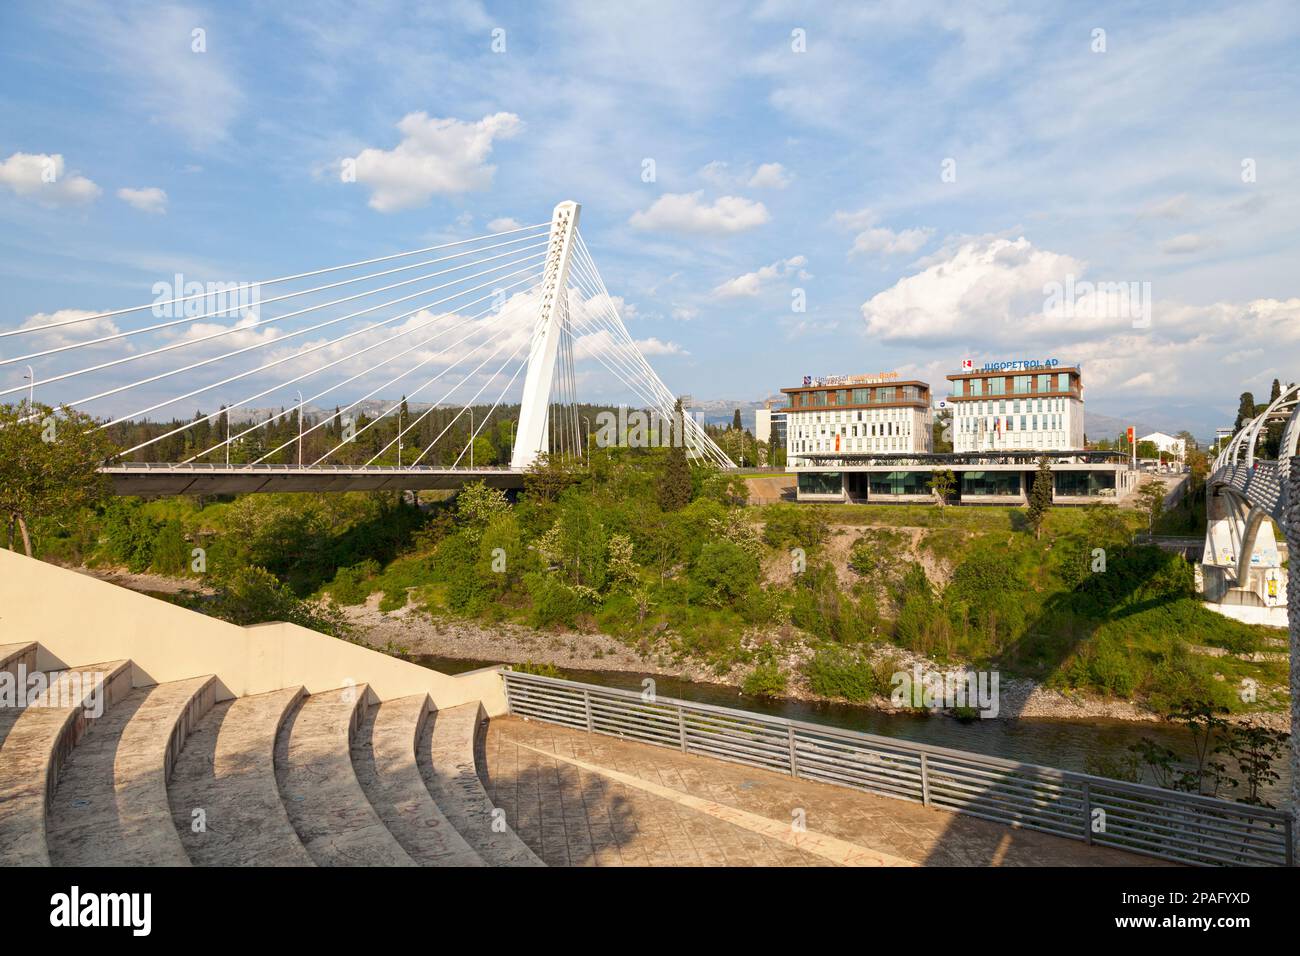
(1015, 365)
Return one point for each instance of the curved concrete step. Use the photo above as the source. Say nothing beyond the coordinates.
(11, 655)
(324, 800)
(446, 758)
(224, 798)
(17, 661)
(383, 753)
(37, 742)
(110, 807)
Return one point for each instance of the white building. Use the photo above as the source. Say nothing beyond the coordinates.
(1012, 406)
(858, 413)
(1168, 444)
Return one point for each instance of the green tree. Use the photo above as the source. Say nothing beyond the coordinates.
(48, 466)
(941, 484)
(1151, 497)
(675, 486)
(1245, 410)
(1040, 498)
(735, 421)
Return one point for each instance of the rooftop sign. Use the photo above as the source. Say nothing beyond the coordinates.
(1017, 365)
(833, 380)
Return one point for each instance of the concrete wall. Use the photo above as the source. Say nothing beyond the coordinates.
(78, 620)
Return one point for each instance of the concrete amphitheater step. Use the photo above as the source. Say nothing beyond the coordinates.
(110, 807)
(383, 754)
(11, 655)
(34, 743)
(227, 771)
(446, 758)
(15, 660)
(320, 790)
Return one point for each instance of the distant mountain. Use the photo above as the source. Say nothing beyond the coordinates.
(722, 411)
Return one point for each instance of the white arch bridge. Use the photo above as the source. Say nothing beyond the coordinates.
(457, 337)
(1246, 496)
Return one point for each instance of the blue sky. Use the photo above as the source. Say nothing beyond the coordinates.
(1162, 151)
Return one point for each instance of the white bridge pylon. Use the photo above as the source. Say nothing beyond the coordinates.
(552, 352)
(552, 325)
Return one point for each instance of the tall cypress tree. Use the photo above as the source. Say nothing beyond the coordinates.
(675, 487)
(1040, 498)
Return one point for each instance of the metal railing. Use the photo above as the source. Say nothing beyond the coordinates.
(1182, 827)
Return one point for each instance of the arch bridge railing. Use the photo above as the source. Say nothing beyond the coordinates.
(1182, 827)
(1261, 483)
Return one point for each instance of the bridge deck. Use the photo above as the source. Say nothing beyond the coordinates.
(582, 799)
(162, 479)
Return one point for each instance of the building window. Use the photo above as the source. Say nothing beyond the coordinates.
(1084, 484)
(990, 483)
(820, 483)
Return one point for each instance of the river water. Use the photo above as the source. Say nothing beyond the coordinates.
(1065, 744)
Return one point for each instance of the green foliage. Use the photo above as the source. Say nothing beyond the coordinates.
(1040, 497)
(476, 506)
(836, 672)
(541, 670)
(252, 595)
(765, 680)
(351, 585)
(725, 573)
(48, 462)
(794, 526)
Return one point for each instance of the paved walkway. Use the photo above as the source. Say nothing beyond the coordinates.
(584, 799)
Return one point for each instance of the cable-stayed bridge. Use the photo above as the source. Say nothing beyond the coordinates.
(514, 319)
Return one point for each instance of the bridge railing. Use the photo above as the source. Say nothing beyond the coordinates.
(1182, 827)
(272, 467)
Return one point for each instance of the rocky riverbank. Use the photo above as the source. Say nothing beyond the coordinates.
(413, 632)
(410, 631)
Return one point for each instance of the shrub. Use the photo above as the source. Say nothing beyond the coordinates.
(834, 672)
(765, 680)
(724, 573)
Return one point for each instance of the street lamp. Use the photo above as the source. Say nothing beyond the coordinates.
(300, 429)
(399, 436)
(31, 390)
(587, 445)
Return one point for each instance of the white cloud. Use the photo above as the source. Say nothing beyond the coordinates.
(602, 344)
(689, 213)
(752, 283)
(1186, 245)
(150, 199)
(767, 176)
(886, 242)
(987, 288)
(873, 239)
(504, 224)
(445, 156)
(74, 332)
(40, 176)
(1175, 207)
(770, 176)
